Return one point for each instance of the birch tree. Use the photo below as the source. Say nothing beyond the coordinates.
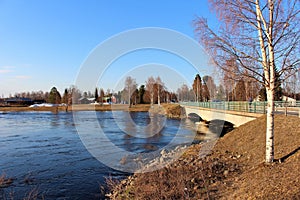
(150, 88)
(130, 87)
(260, 35)
(160, 89)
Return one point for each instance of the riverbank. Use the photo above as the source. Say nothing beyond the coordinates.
(170, 110)
(235, 168)
(78, 107)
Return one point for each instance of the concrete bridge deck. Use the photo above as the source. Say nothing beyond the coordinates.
(235, 117)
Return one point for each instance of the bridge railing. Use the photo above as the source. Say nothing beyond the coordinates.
(241, 106)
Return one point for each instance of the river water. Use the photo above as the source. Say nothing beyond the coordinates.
(43, 151)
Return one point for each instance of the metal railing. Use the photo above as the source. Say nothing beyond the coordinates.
(243, 106)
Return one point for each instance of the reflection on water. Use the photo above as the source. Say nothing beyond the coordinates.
(46, 148)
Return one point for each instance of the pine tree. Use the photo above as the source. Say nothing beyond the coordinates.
(54, 96)
(96, 94)
(65, 96)
(197, 87)
(205, 95)
(141, 94)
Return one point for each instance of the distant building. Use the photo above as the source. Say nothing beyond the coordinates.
(39, 101)
(285, 101)
(113, 99)
(18, 101)
(106, 99)
(85, 100)
(290, 101)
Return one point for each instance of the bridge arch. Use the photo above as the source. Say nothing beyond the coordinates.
(194, 117)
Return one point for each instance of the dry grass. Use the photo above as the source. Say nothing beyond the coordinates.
(6, 182)
(274, 181)
(174, 110)
(234, 170)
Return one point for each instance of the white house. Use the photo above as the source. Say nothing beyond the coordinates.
(290, 101)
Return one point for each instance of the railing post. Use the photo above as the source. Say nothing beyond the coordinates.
(285, 110)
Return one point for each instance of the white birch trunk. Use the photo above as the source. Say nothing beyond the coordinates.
(129, 97)
(270, 127)
(270, 90)
(158, 95)
(151, 97)
(197, 93)
(269, 74)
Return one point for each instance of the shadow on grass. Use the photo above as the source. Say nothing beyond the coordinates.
(288, 155)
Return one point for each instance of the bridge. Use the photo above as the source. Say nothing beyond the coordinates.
(237, 113)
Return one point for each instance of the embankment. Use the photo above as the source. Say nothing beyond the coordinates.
(171, 110)
(174, 111)
(235, 168)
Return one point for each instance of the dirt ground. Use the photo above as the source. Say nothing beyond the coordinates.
(235, 169)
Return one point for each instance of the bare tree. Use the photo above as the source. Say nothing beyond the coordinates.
(212, 88)
(150, 88)
(230, 78)
(75, 95)
(262, 36)
(101, 95)
(160, 89)
(184, 93)
(290, 85)
(240, 90)
(130, 87)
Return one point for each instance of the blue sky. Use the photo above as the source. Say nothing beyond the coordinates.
(44, 43)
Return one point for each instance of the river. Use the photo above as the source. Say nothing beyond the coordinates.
(43, 151)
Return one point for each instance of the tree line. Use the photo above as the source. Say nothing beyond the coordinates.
(231, 88)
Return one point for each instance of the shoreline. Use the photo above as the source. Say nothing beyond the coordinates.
(78, 107)
(174, 111)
